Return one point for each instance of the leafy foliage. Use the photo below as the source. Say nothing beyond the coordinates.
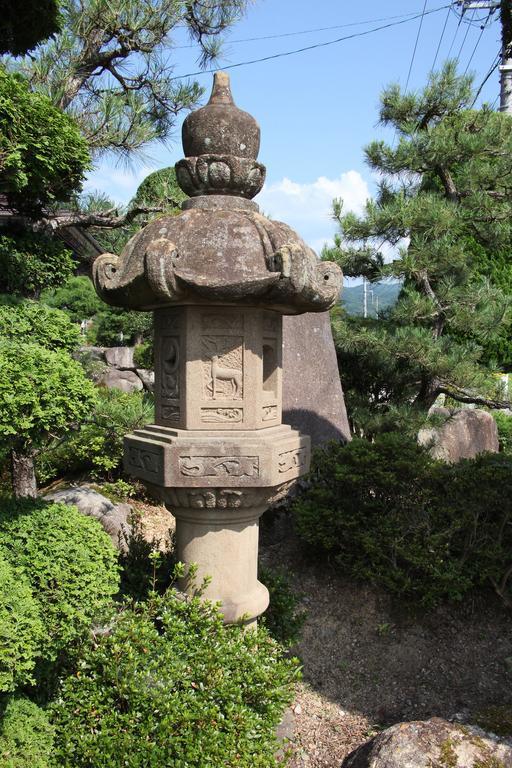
(387, 513)
(29, 263)
(143, 356)
(21, 629)
(444, 193)
(43, 156)
(283, 618)
(42, 393)
(504, 424)
(113, 325)
(26, 736)
(98, 446)
(24, 25)
(76, 297)
(170, 685)
(50, 328)
(109, 67)
(69, 562)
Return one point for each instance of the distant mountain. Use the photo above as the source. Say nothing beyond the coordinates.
(381, 295)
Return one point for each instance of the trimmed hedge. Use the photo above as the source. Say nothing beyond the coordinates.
(21, 628)
(169, 685)
(26, 736)
(69, 562)
(387, 513)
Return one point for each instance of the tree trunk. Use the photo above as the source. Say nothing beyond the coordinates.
(428, 394)
(23, 475)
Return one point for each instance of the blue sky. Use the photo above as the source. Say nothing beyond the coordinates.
(317, 109)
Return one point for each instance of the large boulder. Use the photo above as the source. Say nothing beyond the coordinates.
(147, 377)
(464, 434)
(312, 395)
(120, 357)
(114, 518)
(126, 381)
(431, 743)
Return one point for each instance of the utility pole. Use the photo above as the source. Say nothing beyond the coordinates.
(506, 57)
(505, 7)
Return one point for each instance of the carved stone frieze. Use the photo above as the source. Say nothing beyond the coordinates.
(295, 459)
(222, 367)
(221, 415)
(221, 175)
(269, 413)
(217, 498)
(219, 466)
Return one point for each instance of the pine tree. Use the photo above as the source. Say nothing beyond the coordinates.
(444, 196)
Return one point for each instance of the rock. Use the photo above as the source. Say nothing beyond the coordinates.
(465, 433)
(113, 517)
(90, 353)
(126, 381)
(431, 743)
(120, 357)
(312, 395)
(147, 377)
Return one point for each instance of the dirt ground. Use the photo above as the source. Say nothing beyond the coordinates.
(368, 662)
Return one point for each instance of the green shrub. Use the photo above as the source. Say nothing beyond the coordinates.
(41, 392)
(34, 322)
(69, 562)
(283, 617)
(26, 736)
(98, 446)
(30, 262)
(21, 629)
(113, 326)
(504, 424)
(43, 156)
(387, 513)
(169, 685)
(143, 355)
(145, 566)
(76, 297)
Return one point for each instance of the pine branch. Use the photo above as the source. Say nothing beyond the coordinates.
(462, 395)
(105, 219)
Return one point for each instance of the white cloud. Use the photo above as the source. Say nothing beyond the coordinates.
(307, 207)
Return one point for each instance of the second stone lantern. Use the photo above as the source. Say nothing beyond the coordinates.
(219, 277)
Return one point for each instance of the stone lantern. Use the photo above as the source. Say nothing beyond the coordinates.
(219, 277)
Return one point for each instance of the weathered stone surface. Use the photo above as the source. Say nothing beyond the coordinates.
(92, 353)
(120, 357)
(431, 743)
(312, 395)
(147, 377)
(113, 517)
(126, 381)
(465, 433)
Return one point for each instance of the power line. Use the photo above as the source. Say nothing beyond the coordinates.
(307, 31)
(454, 37)
(416, 43)
(442, 36)
(474, 49)
(463, 41)
(309, 47)
(492, 69)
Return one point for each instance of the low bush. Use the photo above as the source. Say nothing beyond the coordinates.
(39, 324)
(143, 355)
(283, 618)
(388, 513)
(21, 628)
(97, 447)
(26, 736)
(69, 562)
(30, 262)
(170, 685)
(504, 424)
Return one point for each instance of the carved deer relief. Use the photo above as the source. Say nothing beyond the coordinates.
(223, 367)
(221, 373)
